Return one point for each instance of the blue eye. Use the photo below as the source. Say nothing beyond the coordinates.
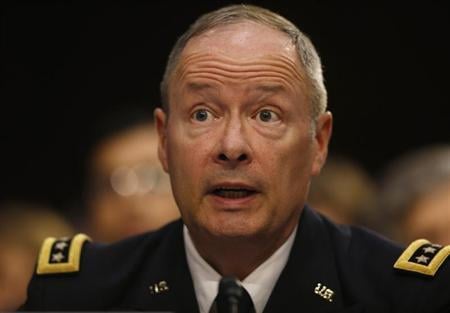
(201, 115)
(268, 116)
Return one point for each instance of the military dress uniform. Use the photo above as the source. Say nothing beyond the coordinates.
(331, 268)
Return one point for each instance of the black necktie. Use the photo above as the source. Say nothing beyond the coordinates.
(232, 298)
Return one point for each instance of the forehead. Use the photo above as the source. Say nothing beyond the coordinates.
(243, 52)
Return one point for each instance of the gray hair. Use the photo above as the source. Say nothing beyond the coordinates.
(306, 52)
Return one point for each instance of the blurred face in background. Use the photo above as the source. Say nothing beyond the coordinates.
(429, 216)
(129, 193)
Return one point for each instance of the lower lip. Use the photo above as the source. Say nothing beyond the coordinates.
(232, 203)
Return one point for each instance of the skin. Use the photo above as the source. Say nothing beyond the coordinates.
(240, 117)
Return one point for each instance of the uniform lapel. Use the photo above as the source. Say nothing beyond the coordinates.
(164, 282)
(309, 282)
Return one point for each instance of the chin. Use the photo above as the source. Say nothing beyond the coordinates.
(233, 227)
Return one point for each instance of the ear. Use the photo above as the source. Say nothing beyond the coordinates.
(322, 137)
(161, 127)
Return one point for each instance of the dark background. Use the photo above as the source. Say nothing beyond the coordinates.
(64, 65)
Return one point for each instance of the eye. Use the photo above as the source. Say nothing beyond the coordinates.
(267, 116)
(202, 115)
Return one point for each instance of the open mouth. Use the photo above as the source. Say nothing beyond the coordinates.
(233, 193)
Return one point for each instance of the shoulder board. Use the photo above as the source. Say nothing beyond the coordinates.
(422, 257)
(61, 255)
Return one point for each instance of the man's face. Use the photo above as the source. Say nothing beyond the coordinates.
(131, 194)
(239, 143)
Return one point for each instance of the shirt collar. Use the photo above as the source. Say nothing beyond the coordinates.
(259, 283)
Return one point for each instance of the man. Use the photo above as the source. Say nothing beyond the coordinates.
(126, 191)
(242, 130)
(344, 192)
(416, 196)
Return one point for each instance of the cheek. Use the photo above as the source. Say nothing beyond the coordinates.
(187, 160)
(294, 168)
(183, 157)
(187, 150)
(298, 146)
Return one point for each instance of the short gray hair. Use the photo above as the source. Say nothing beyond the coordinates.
(306, 52)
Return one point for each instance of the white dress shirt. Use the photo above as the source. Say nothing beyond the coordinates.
(259, 283)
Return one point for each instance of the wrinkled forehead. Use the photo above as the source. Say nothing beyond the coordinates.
(242, 52)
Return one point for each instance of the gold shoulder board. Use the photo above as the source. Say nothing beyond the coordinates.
(61, 255)
(423, 257)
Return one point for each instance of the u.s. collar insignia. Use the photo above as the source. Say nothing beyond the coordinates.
(61, 255)
(324, 292)
(423, 257)
(159, 287)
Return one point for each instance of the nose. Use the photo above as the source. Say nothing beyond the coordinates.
(233, 148)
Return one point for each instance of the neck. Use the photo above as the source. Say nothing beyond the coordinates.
(239, 257)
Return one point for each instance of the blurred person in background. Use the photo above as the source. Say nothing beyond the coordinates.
(127, 192)
(344, 192)
(23, 227)
(415, 196)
